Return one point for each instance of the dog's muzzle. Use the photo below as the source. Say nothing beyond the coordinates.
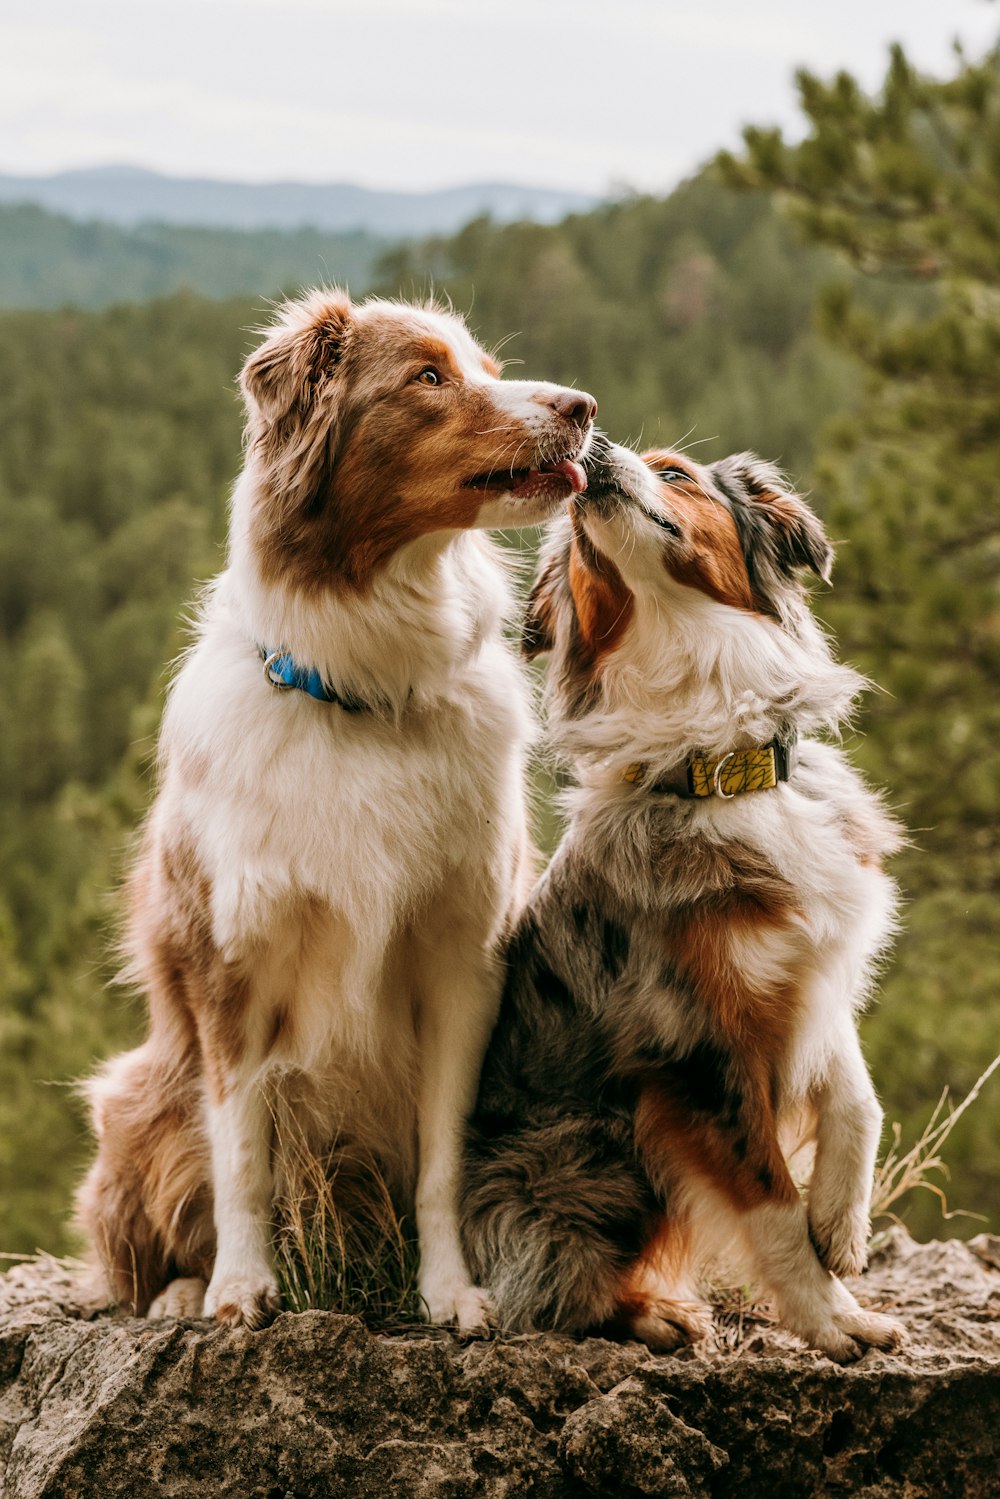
(607, 479)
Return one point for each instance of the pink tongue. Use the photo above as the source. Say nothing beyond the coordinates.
(571, 471)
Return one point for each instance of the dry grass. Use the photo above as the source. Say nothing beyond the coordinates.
(915, 1169)
(737, 1314)
(340, 1244)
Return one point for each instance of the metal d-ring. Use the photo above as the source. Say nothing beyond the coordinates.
(281, 686)
(726, 796)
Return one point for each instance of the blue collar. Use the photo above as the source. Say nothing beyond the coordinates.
(284, 673)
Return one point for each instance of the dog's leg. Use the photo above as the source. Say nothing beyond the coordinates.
(849, 1123)
(734, 1151)
(459, 988)
(810, 1301)
(243, 1289)
(144, 1204)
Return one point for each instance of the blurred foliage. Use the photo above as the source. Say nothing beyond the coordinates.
(49, 260)
(705, 318)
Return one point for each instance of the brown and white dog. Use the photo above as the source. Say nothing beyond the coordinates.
(326, 870)
(683, 984)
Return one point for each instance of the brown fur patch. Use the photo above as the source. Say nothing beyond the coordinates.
(604, 604)
(401, 476)
(184, 972)
(710, 556)
(737, 1152)
(756, 1017)
(222, 1026)
(711, 1112)
(299, 354)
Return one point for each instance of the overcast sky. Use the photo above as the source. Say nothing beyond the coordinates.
(425, 93)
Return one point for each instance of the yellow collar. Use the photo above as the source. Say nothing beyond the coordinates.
(760, 767)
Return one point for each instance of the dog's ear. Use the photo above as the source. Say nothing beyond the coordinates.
(778, 530)
(302, 350)
(295, 405)
(538, 629)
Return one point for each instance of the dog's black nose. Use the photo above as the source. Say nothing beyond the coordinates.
(599, 467)
(576, 405)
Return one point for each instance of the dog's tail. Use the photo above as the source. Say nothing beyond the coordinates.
(145, 1206)
(553, 1217)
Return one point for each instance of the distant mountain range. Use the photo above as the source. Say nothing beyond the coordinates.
(130, 196)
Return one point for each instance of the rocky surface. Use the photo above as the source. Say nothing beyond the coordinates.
(316, 1405)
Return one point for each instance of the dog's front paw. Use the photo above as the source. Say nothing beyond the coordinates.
(468, 1307)
(874, 1330)
(849, 1334)
(242, 1300)
(837, 1344)
(841, 1244)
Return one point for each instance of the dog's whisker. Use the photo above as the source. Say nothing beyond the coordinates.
(677, 448)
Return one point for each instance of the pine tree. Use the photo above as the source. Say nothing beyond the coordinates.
(906, 186)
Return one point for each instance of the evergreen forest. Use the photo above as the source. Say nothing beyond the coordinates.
(50, 260)
(832, 304)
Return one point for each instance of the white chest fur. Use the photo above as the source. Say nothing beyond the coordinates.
(327, 837)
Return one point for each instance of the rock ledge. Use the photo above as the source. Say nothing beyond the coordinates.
(316, 1405)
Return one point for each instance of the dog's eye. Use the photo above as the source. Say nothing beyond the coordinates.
(429, 376)
(664, 523)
